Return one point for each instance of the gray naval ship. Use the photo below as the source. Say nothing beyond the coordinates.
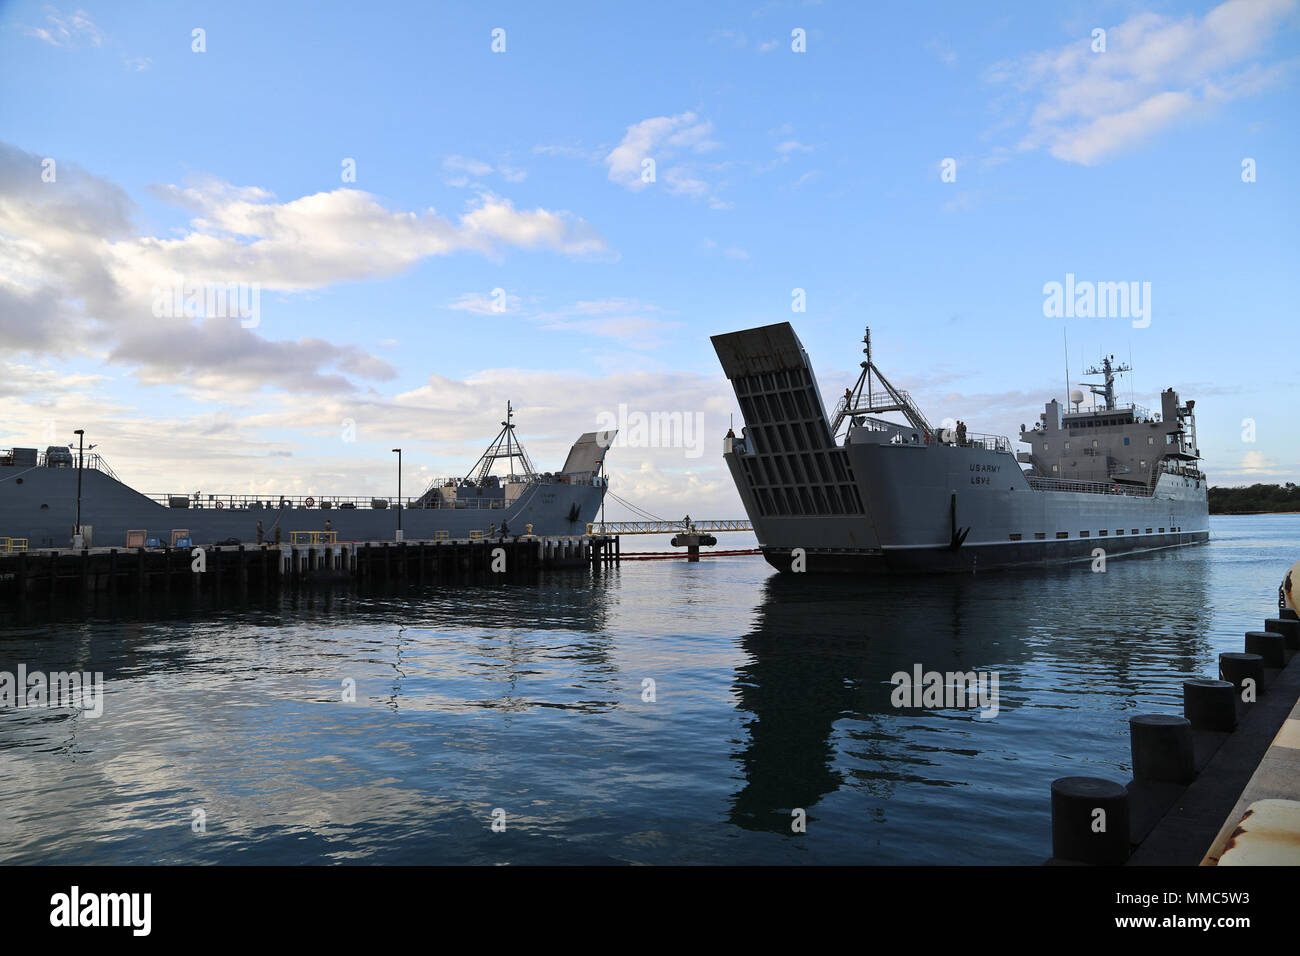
(39, 502)
(861, 492)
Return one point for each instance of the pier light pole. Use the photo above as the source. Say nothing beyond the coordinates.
(81, 453)
(399, 493)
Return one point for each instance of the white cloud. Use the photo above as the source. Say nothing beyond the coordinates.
(480, 304)
(1255, 466)
(944, 52)
(633, 324)
(791, 146)
(67, 30)
(1156, 71)
(76, 274)
(730, 252)
(465, 164)
(661, 138)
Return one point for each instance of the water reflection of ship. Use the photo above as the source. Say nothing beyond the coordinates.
(498, 617)
(816, 700)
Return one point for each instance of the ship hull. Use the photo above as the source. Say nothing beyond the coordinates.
(43, 509)
(976, 558)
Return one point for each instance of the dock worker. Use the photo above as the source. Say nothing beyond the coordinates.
(328, 527)
(961, 433)
(505, 528)
(277, 534)
(260, 533)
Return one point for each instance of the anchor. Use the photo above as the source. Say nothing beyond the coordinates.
(958, 534)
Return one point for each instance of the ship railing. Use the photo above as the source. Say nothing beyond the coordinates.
(92, 460)
(1140, 414)
(1089, 487)
(424, 502)
(591, 478)
(1167, 466)
(989, 442)
(273, 503)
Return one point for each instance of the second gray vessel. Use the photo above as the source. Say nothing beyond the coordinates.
(857, 491)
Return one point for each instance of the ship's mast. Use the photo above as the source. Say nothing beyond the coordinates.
(873, 394)
(1108, 371)
(506, 446)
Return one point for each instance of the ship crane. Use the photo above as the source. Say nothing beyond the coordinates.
(873, 395)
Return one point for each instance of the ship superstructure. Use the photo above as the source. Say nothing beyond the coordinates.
(859, 490)
(39, 502)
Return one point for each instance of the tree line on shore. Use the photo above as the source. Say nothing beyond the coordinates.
(1255, 499)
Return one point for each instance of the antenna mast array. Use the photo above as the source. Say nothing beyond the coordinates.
(1108, 370)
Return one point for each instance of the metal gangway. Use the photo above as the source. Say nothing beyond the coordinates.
(684, 525)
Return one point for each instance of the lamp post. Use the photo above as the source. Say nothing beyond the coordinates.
(399, 493)
(81, 449)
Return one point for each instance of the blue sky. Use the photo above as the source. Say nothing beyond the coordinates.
(520, 170)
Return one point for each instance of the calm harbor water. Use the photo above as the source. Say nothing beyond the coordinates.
(771, 693)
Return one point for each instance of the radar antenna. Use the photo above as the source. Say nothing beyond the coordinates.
(873, 394)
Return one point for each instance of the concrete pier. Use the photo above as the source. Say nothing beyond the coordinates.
(67, 571)
(1224, 781)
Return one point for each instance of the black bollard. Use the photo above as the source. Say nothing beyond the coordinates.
(1269, 645)
(1162, 748)
(1210, 704)
(1288, 629)
(1080, 833)
(1237, 668)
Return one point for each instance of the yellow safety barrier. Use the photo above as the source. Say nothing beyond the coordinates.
(442, 536)
(476, 535)
(9, 545)
(313, 537)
